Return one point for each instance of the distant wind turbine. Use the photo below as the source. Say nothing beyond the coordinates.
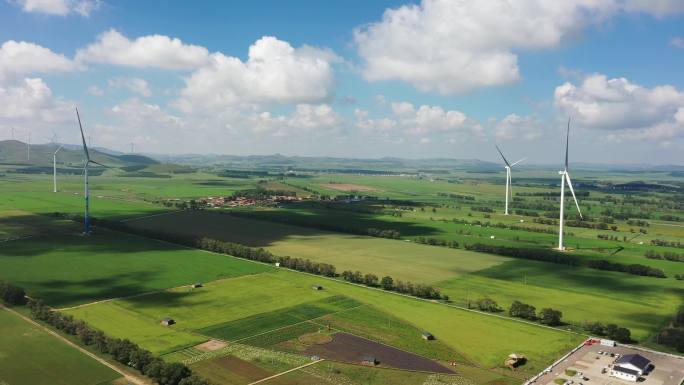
(565, 177)
(508, 167)
(54, 169)
(88, 161)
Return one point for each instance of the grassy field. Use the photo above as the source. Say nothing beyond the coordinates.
(64, 268)
(481, 339)
(28, 355)
(402, 260)
(642, 304)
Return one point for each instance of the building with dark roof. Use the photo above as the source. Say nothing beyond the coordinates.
(630, 367)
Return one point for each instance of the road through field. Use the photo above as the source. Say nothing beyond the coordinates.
(129, 377)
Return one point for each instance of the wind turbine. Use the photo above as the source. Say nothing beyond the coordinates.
(508, 167)
(565, 177)
(88, 161)
(54, 169)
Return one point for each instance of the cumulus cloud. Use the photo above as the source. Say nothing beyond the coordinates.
(31, 102)
(152, 51)
(274, 72)
(59, 7)
(677, 42)
(628, 110)
(21, 58)
(452, 46)
(306, 118)
(136, 85)
(515, 127)
(95, 91)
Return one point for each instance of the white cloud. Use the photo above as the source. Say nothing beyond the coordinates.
(677, 42)
(515, 127)
(453, 46)
(629, 110)
(136, 85)
(21, 58)
(306, 118)
(31, 103)
(152, 51)
(59, 7)
(274, 72)
(95, 91)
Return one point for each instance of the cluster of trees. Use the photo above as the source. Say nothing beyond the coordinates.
(260, 193)
(390, 284)
(665, 243)
(546, 316)
(11, 295)
(679, 277)
(482, 209)
(650, 254)
(673, 334)
(488, 305)
(437, 242)
(123, 351)
(545, 255)
(634, 268)
(590, 225)
(611, 331)
(457, 196)
(638, 222)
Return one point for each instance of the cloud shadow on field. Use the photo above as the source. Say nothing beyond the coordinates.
(265, 228)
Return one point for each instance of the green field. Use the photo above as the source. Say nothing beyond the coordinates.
(404, 260)
(29, 355)
(64, 268)
(642, 304)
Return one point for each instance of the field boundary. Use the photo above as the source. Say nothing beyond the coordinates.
(129, 377)
(285, 372)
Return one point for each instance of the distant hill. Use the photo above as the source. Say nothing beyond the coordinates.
(14, 152)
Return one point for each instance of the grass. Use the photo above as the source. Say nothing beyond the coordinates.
(279, 336)
(267, 321)
(404, 260)
(64, 268)
(28, 355)
(147, 332)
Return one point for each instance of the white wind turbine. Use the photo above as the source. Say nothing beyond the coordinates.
(88, 161)
(508, 167)
(565, 177)
(54, 169)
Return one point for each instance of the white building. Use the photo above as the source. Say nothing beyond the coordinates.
(630, 367)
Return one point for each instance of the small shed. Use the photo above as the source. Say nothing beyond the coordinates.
(515, 360)
(196, 285)
(277, 264)
(369, 361)
(428, 336)
(168, 321)
(317, 287)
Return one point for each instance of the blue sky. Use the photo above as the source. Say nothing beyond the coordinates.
(350, 78)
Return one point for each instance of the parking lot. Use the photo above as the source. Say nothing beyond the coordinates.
(667, 370)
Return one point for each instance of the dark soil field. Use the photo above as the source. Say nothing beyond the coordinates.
(349, 348)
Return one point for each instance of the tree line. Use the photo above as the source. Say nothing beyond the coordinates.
(673, 334)
(390, 284)
(669, 256)
(611, 331)
(12, 295)
(634, 268)
(546, 316)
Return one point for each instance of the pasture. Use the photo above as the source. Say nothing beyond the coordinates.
(64, 268)
(29, 355)
(403, 260)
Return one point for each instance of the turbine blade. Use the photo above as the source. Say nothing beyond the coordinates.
(85, 148)
(567, 141)
(502, 156)
(99, 164)
(517, 162)
(567, 177)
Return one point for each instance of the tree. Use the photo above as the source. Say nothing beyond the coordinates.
(194, 380)
(488, 304)
(387, 282)
(522, 310)
(622, 335)
(370, 279)
(551, 317)
(173, 373)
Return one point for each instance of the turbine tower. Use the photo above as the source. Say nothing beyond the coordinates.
(88, 161)
(508, 167)
(54, 169)
(565, 177)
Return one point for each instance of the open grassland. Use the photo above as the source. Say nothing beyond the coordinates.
(403, 260)
(65, 268)
(278, 319)
(29, 355)
(481, 339)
